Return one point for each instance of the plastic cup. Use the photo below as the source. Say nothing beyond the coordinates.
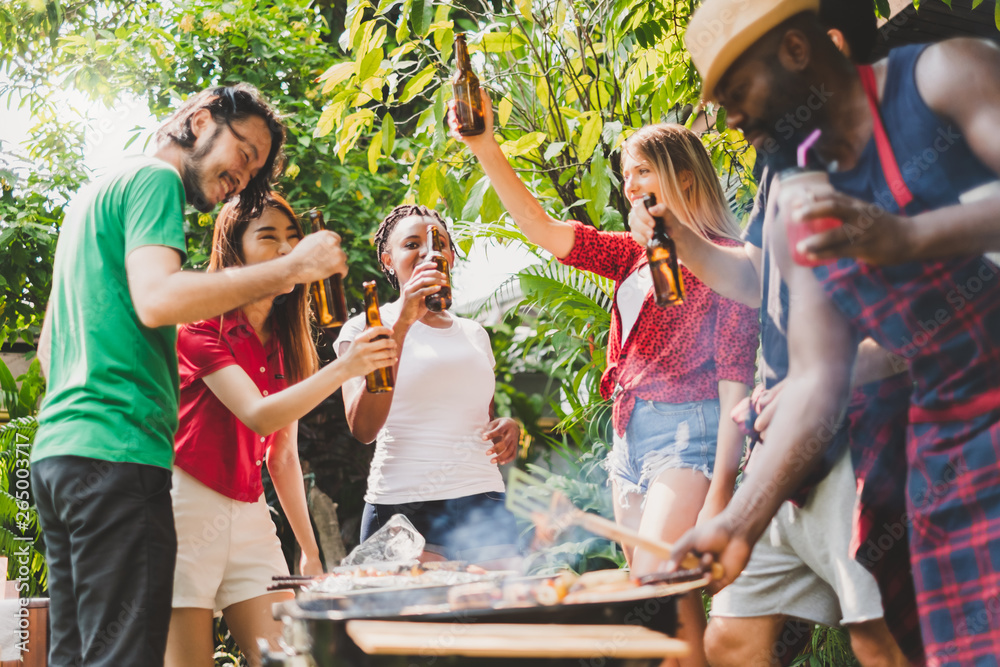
(797, 187)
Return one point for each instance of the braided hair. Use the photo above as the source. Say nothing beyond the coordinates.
(387, 226)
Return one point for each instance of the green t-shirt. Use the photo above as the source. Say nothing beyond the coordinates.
(113, 386)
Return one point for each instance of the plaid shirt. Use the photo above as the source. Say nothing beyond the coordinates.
(672, 355)
(879, 541)
(944, 318)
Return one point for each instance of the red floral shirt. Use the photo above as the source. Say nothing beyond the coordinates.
(675, 354)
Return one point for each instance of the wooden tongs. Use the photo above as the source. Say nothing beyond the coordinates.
(551, 511)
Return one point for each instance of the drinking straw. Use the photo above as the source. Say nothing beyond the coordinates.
(806, 145)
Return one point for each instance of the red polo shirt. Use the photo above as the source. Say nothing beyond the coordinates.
(212, 445)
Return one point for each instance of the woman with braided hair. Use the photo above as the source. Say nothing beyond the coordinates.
(437, 444)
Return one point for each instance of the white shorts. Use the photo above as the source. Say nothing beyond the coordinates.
(800, 566)
(227, 550)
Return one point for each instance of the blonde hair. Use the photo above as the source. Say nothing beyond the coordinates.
(673, 149)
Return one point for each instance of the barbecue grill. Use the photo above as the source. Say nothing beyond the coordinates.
(335, 630)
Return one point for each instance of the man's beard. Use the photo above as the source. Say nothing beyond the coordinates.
(786, 153)
(783, 144)
(192, 174)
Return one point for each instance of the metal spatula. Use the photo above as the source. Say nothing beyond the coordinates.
(551, 511)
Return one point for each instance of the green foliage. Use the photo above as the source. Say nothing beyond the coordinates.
(20, 533)
(558, 332)
(156, 55)
(829, 647)
(584, 483)
(31, 211)
(21, 400)
(227, 653)
(128, 54)
(571, 81)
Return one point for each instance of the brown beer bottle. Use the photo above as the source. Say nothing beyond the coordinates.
(329, 304)
(668, 285)
(465, 84)
(379, 380)
(440, 300)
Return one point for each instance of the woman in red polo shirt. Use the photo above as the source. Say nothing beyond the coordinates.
(246, 378)
(671, 371)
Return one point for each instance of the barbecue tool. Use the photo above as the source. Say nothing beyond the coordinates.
(551, 511)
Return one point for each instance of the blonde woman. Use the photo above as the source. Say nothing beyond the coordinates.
(671, 372)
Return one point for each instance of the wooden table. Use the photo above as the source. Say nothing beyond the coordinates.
(513, 640)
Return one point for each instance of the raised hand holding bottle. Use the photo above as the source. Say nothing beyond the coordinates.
(465, 85)
(380, 380)
(440, 300)
(329, 304)
(668, 285)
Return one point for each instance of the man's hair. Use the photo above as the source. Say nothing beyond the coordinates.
(229, 104)
(765, 49)
(856, 20)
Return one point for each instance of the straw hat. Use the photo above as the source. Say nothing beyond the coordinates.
(720, 31)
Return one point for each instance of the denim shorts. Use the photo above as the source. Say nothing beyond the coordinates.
(473, 528)
(663, 436)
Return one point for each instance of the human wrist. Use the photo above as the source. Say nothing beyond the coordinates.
(310, 551)
(686, 240)
(717, 490)
(485, 148)
(402, 325)
(289, 269)
(744, 518)
(916, 237)
(341, 370)
(718, 498)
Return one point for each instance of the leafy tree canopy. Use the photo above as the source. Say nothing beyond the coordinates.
(160, 54)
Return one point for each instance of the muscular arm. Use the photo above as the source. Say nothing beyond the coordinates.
(972, 101)
(822, 352)
(822, 349)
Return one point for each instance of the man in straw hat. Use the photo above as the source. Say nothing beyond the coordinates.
(808, 567)
(910, 146)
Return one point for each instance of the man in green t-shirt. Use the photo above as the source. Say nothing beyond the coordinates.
(101, 466)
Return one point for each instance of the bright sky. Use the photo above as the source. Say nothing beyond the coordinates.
(108, 130)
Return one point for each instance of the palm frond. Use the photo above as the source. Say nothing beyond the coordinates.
(20, 530)
(562, 290)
